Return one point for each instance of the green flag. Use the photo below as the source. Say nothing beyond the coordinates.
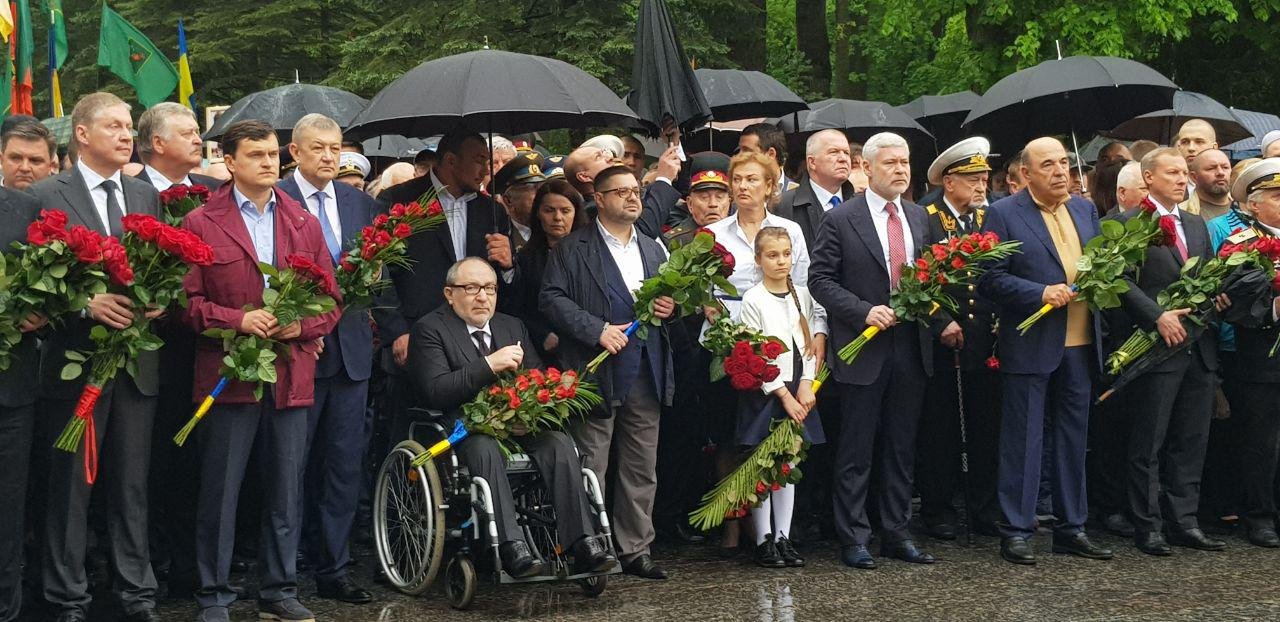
(130, 54)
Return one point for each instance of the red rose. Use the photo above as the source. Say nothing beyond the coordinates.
(1147, 206)
(743, 348)
(986, 244)
(786, 468)
(347, 266)
(434, 209)
(755, 365)
(562, 393)
(381, 238)
(398, 210)
(772, 349)
(940, 278)
(776, 486)
(939, 252)
(770, 373)
(86, 243)
(201, 192)
(37, 234)
(744, 382)
(572, 374)
(380, 220)
(522, 382)
(923, 276)
(553, 375)
(368, 252)
(367, 232)
(402, 231)
(993, 363)
(727, 265)
(414, 210)
(1169, 231)
(921, 264)
(56, 219)
(513, 402)
(967, 246)
(170, 239)
(544, 396)
(571, 392)
(957, 263)
(495, 390)
(734, 365)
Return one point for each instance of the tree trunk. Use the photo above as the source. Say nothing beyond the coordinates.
(814, 44)
(744, 34)
(842, 63)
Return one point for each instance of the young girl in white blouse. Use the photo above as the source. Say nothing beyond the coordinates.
(778, 308)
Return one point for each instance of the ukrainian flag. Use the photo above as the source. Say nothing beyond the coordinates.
(186, 91)
(57, 53)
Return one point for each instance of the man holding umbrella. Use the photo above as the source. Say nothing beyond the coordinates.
(1171, 421)
(1045, 372)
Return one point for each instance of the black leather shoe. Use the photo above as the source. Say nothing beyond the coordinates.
(517, 560)
(940, 529)
(642, 566)
(1195, 539)
(683, 533)
(1152, 543)
(857, 556)
(906, 551)
(1265, 538)
(790, 556)
(1017, 550)
(1119, 525)
(767, 555)
(1080, 546)
(73, 615)
(344, 590)
(591, 555)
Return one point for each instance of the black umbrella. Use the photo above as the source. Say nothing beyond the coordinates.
(942, 115)
(394, 146)
(1159, 353)
(494, 91)
(1162, 125)
(663, 86)
(1066, 96)
(282, 106)
(860, 120)
(734, 94)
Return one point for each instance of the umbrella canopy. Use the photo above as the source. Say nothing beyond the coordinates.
(1162, 125)
(733, 94)
(663, 85)
(1258, 124)
(861, 119)
(942, 115)
(1077, 94)
(395, 146)
(282, 106)
(491, 90)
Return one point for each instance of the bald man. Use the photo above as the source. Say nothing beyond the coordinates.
(1193, 137)
(1211, 174)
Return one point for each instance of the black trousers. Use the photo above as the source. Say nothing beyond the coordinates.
(1109, 427)
(938, 476)
(1167, 443)
(878, 441)
(682, 434)
(561, 471)
(1259, 448)
(16, 430)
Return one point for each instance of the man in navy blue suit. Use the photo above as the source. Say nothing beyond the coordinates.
(1046, 372)
(861, 247)
(336, 422)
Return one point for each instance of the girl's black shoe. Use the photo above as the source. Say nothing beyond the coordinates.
(767, 554)
(788, 553)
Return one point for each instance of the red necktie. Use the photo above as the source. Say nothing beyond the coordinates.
(1177, 236)
(897, 248)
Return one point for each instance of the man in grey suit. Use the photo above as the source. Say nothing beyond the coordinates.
(17, 418)
(95, 194)
(824, 185)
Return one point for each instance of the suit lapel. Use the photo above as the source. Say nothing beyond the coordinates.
(595, 257)
(227, 217)
(347, 218)
(135, 198)
(1195, 240)
(860, 214)
(75, 192)
(1030, 215)
(461, 336)
(919, 223)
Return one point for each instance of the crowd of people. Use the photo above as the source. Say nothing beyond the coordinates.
(536, 265)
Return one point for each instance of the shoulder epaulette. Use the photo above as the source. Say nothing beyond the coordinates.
(932, 209)
(1242, 236)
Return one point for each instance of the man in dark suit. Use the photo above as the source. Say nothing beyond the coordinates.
(824, 185)
(28, 152)
(475, 227)
(336, 422)
(17, 417)
(1171, 418)
(860, 250)
(768, 139)
(457, 351)
(588, 295)
(95, 194)
(248, 221)
(1046, 373)
(170, 146)
(961, 171)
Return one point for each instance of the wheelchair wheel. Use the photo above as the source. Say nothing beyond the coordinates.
(408, 520)
(594, 586)
(460, 582)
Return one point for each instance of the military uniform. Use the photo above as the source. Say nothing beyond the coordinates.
(938, 474)
(526, 169)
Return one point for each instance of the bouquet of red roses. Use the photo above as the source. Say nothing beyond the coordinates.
(528, 402)
(53, 274)
(180, 200)
(162, 256)
(302, 290)
(381, 244)
(771, 465)
(688, 276)
(956, 261)
(742, 353)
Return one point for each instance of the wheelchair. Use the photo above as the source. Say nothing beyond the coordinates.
(423, 515)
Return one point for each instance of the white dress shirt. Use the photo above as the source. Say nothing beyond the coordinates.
(776, 316)
(746, 274)
(455, 212)
(821, 194)
(626, 256)
(162, 183)
(99, 194)
(880, 218)
(487, 334)
(308, 193)
(524, 231)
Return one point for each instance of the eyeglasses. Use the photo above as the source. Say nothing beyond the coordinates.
(474, 288)
(623, 193)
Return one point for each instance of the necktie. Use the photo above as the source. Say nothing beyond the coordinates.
(114, 213)
(897, 247)
(966, 222)
(326, 228)
(835, 200)
(1178, 241)
(482, 344)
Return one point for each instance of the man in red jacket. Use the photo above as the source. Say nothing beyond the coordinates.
(246, 222)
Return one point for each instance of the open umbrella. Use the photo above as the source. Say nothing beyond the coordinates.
(942, 115)
(860, 120)
(663, 86)
(735, 94)
(1077, 94)
(494, 91)
(1258, 124)
(395, 146)
(282, 106)
(1162, 125)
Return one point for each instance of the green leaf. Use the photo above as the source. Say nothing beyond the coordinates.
(1113, 230)
(98, 332)
(270, 297)
(268, 269)
(71, 371)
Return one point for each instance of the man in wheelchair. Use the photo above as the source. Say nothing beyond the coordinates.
(454, 353)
